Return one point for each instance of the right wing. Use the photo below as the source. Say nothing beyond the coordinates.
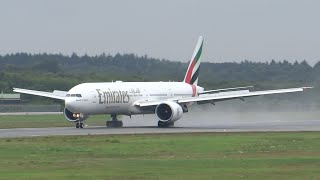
(55, 94)
(237, 95)
(222, 96)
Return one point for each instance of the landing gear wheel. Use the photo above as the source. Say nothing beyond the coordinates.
(79, 125)
(165, 124)
(114, 124)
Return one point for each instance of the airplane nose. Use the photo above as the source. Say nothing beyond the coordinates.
(70, 104)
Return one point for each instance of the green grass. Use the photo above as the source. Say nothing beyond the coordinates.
(28, 121)
(175, 156)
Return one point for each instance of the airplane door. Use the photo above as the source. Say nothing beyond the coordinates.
(145, 93)
(169, 94)
(94, 97)
(93, 100)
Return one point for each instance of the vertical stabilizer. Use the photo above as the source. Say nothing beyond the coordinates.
(192, 74)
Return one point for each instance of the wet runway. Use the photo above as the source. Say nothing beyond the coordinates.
(273, 125)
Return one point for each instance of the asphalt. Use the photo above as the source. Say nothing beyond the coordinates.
(273, 125)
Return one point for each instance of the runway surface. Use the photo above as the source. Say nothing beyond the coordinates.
(181, 127)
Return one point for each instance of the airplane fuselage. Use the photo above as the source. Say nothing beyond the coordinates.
(118, 97)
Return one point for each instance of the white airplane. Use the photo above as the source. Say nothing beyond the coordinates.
(167, 100)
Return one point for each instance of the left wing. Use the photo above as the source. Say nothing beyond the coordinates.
(56, 94)
(221, 96)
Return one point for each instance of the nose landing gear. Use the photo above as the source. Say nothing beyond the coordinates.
(79, 125)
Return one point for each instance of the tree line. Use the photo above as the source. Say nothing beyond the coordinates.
(56, 71)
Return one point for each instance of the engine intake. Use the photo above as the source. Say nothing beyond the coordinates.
(74, 117)
(169, 111)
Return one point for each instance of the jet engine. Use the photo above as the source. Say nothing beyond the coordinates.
(74, 117)
(169, 111)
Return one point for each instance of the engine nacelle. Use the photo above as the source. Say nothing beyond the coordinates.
(74, 117)
(169, 111)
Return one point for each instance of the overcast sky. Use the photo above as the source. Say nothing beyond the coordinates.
(234, 30)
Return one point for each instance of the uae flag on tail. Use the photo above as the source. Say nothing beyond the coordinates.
(192, 74)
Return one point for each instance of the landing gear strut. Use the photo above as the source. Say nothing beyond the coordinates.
(79, 125)
(114, 123)
(162, 124)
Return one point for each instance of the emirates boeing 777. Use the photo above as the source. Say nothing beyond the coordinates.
(167, 100)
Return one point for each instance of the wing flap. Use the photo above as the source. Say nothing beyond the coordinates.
(226, 89)
(55, 94)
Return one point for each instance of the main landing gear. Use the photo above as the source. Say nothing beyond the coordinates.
(79, 125)
(114, 123)
(162, 124)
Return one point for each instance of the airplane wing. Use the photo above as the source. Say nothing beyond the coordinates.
(56, 94)
(211, 98)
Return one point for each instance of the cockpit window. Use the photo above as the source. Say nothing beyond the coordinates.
(74, 95)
